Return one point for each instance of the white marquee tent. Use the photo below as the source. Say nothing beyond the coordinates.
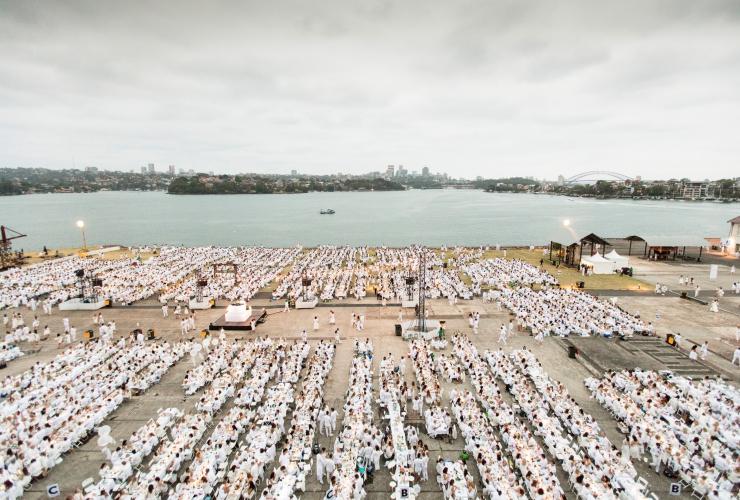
(598, 264)
(619, 260)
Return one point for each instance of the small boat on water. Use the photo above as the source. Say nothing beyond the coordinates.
(326, 211)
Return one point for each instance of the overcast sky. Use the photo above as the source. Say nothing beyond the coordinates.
(487, 88)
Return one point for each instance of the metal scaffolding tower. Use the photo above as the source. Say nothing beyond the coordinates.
(421, 315)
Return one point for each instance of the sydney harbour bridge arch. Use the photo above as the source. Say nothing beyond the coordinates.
(597, 175)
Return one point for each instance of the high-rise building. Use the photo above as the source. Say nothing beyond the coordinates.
(143, 170)
(561, 180)
(294, 172)
(390, 171)
(172, 169)
(425, 172)
(151, 168)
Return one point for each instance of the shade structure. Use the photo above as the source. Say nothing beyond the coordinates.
(598, 264)
(619, 260)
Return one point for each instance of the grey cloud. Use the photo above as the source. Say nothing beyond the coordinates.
(352, 86)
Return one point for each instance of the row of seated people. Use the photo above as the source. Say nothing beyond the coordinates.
(455, 481)
(677, 443)
(497, 476)
(9, 352)
(538, 474)
(436, 418)
(210, 465)
(259, 355)
(606, 459)
(589, 477)
(358, 433)
(318, 264)
(499, 273)
(296, 454)
(557, 311)
(712, 404)
(50, 416)
(258, 448)
(166, 460)
(254, 267)
(215, 360)
(260, 269)
(422, 360)
(171, 265)
(54, 279)
(209, 462)
(287, 367)
(134, 450)
(449, 368)
(393, 399)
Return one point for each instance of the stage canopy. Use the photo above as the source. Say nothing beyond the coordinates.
(619, 260)
(598, 264)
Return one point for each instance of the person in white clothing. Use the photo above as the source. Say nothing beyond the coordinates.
(320, 461)
(333, 419)
(502, 335)
(736, 356)
(165, 310)
(692, 354)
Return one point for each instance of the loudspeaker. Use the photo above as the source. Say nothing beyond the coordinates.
(80, 273)
(97, 282)
(399, 330)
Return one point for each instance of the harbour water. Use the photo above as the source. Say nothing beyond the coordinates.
(434, 217)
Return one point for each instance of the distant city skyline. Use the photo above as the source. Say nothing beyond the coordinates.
(476, 89)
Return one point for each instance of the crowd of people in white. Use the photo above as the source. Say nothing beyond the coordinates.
(353, 447)
(689, 429)
(593, 464)
(52, 407)
(538, 474)
(295, 457)
(563, 312)
(436, 418)
(331, 270)
(255, 267)
(500, 273)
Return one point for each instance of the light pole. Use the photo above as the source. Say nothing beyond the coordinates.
(81, 225)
